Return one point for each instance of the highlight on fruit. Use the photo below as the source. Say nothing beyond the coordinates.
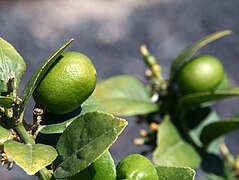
(67, 84)
(202, 73)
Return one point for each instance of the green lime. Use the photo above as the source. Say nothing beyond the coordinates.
(66, 85)
(136, 167)
(203, 73)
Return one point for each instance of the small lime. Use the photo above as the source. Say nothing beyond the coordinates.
(203, 73)
(66, 85)
(136, 167)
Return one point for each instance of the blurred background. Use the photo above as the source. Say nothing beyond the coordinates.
(110, 33)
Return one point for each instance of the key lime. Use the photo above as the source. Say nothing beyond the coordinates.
(67, 84)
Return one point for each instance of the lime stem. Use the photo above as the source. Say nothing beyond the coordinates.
(228, 156)
(25, 137)
(153, 65)
(43, 174)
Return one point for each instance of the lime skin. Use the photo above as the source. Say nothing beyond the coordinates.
(136, 167)
(202, 73)
(67, 84)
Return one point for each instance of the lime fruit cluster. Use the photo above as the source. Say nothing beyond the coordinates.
(136, 167)
(202, 73)
(67, 84)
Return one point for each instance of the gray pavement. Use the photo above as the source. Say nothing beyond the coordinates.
(110, 33)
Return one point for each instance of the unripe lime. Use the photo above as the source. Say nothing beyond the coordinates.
(136, 167)
(203, 73)
(66, 85)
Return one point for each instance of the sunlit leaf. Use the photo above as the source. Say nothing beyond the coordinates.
(4, 135)
(89, 105)
(12, 67)
(85, 140)
(125, 95)
(175, 173)
(31, 158)
(172, 150)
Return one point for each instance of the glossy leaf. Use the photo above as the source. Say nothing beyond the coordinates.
(36, 78)
(85, 140)
(207, 97)
(125, 95)
(217, 129)
(4, 135)
(31, 158)
(12, 67)
(175, 173)
(185, 55)
(102, 169)
(89, 105)
(172, 150)
(6, 101)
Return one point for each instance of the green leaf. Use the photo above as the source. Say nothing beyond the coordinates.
(196, 120)
(225, 83)
(217, 129)
(4, 135)
(31, 158)
(212, 163)
(36, 78)
(102, 169)
(172, 150)
(92, 104)
(218, 170)
(124, 96)
(185, 55)
(207, 97)
(85, 140)
(175, 173)
(89, 105)
(214, 177)
(12, 67)
(57, 128)
(6, 101)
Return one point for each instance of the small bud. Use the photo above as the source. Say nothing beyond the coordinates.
(143, 132)
(138, 141)
(38, 111)
(148, 73)
(154, 126)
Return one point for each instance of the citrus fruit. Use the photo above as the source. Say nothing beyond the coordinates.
(136, 167)
(203, 73)
(102, 169)
(67, 84)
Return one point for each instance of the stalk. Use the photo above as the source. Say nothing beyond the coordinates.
(22, 133)
(155, 68)
(18, 127)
